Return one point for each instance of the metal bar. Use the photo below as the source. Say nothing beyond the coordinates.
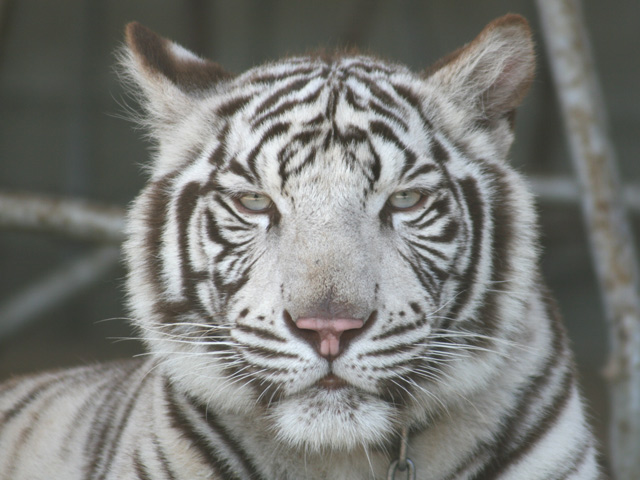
(566, 190)
(72, 218)
(594, 161)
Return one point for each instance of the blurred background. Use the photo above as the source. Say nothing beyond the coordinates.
(62, 133)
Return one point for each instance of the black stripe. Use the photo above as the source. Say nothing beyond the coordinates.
(119, 427)
(185, 209)
(416, 104)
(207, 419)
(140, 468)
(502, 242)
(315, 121)
(180, 422)
(273, 77)
(103, 424)
(427, 265)
(238, 169)
(476, 208)
(86, 410)
(26, 400)
(512, 443)
(422, 170)
(377, 92)
(376, 168)
(214, 231)
(441, 206)
(20, 441)
(298, 142)
(388, 114)
(226, 287)
(231, 107)
(158, 196)
(273, 131)
(502, 223)
(260, 333)
(383, 130)
(351, 136)
(416, 247)
(330, 109)
(273, 98)
(394, 350)
(265, 352)
(232, 444)
(306, 163)
(353, 100)
(428, 268)
(232, 256)
(425, 278)
(164, 461)
(218, 155)
(286, 107)
(370, 68)
(221, 201)
(514, 433)
(447, 235)
(438, 152)
(400, 329)
(506, 454)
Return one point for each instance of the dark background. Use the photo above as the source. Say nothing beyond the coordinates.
(62, 133)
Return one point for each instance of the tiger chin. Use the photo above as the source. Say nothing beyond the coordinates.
(335, 271)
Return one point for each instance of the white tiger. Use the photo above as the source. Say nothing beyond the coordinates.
(335, 271)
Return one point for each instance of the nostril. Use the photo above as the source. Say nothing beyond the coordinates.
(328, 336)
(329, 331)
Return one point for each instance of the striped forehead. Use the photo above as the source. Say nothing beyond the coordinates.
(351, 116)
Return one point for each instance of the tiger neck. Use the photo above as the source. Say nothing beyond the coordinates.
(243, 446)
(240, 446)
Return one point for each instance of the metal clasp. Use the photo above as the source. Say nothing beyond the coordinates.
(402, 464)
(409, 468)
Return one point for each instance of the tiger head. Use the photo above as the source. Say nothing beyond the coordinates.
(326, 242)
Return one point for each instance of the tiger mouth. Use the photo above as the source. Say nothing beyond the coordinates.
(332, 382)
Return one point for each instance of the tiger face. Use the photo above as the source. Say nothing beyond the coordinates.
(321, 239)
(326, 225)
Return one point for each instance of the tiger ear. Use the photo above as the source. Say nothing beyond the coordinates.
(491, 75)
(169, 76)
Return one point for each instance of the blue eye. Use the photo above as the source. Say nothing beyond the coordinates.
(255, 202)
(405, 199)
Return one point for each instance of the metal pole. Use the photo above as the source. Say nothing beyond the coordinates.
(69, 217)
(594, 161)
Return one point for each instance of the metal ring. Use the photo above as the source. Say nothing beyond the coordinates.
(394, 467)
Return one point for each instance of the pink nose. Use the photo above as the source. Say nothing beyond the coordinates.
(329, 331)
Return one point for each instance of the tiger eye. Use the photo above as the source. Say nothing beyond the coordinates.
(405, 199)
(255, 202)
